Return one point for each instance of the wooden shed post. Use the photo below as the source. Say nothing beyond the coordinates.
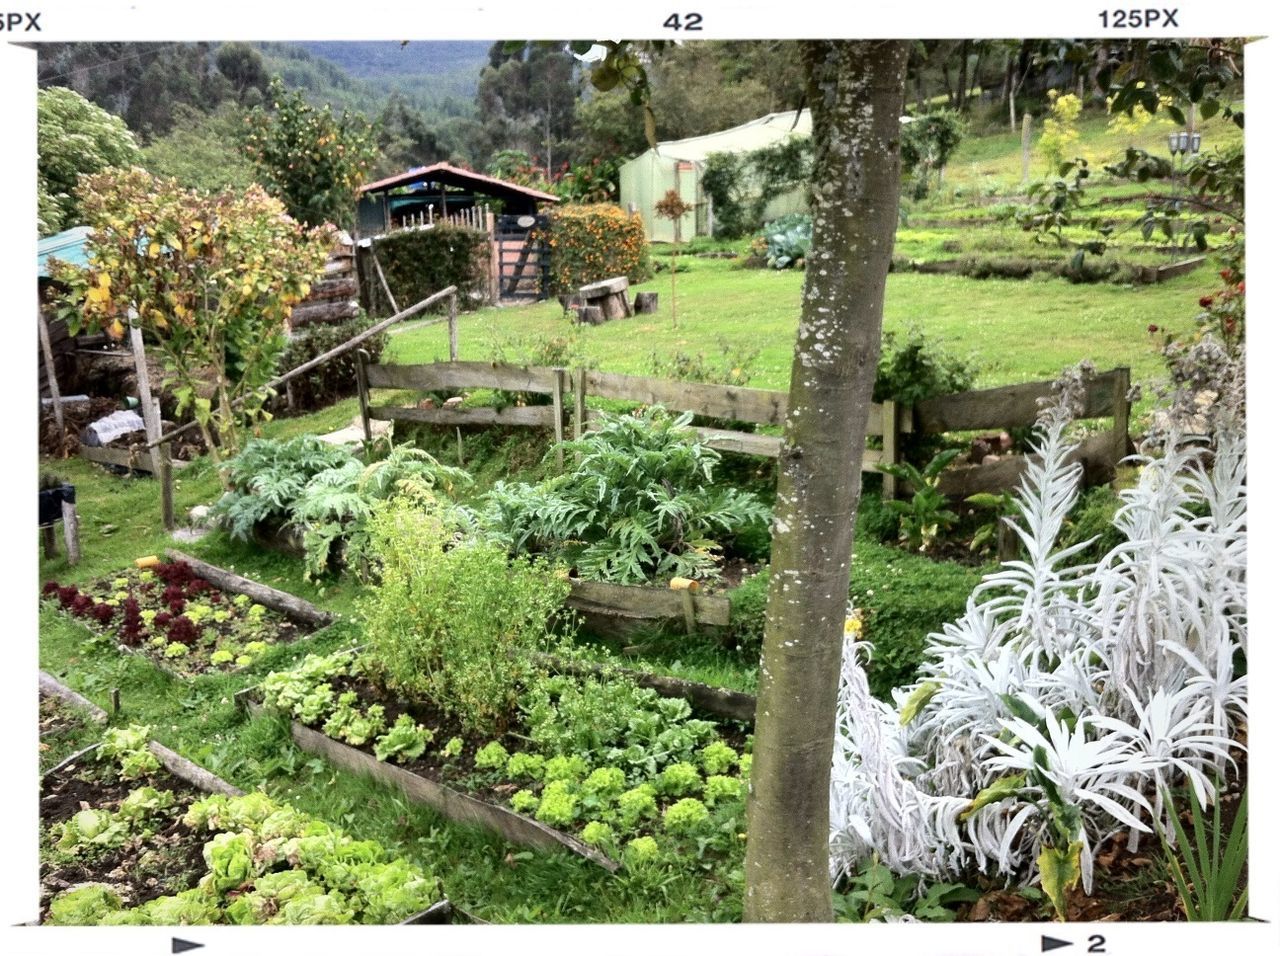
(50, 368)
(557, 406)
(889, 425)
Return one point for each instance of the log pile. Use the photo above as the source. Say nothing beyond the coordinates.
(335, 298)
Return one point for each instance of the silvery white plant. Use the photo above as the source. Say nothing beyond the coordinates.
(1051, 714)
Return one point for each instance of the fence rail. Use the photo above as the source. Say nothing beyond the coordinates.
(1004, 407)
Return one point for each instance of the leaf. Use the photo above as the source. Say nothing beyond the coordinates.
(1177, 115)
(1001, 789)
(1060, 872)
(916, 702)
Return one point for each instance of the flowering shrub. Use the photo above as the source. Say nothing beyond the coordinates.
(590, 243)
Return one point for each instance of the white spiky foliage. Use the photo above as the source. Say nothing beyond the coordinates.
(1126, 666)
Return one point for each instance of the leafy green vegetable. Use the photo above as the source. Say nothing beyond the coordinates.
(83, 905)
(406, 740)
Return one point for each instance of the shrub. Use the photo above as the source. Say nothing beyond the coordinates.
(457, 623)
(638, 504)
(913, 368)
(334, 379)
(420, 262)
(590, 243)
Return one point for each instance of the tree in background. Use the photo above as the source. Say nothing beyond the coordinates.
(310, 159)
(526, 101)
(212, 279)
(245, 70)
(204, 150)
(404, 138)
(74, 138)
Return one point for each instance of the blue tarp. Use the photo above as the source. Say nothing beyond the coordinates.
(68, 246)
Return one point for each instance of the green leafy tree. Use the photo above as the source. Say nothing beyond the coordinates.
(73, 138)
(212, 279)
(310, 159)
(203, 151)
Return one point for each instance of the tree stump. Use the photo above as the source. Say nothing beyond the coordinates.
(571, 302)
(609, 295)
(646, 303)
(590, 315)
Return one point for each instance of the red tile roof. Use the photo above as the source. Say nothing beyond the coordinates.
(454, 176)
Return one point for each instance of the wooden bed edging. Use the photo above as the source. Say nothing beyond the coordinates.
(646, 603)
(287, 604)
(449, 803)
(50, 686)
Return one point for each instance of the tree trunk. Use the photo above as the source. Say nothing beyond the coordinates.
(962, 82)
(855, 90)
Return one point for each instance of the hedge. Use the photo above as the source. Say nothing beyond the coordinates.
(334, 379)
(420, 262)
(593, 242)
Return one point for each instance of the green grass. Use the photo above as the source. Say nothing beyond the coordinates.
(1017, 330)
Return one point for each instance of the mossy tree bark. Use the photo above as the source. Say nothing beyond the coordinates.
(855, 92)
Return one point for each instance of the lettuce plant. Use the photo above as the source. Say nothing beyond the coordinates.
(406, 740)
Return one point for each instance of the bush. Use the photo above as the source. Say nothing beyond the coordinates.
(638, 505)
(912, 369)
(420, 262)
(456, 623)
(334, 379)
(902, 597)
(590, 243)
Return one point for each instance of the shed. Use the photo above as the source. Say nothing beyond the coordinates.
(677, 165)
(68, 246)
(440, 191)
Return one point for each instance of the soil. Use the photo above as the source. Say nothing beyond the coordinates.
(147, 866)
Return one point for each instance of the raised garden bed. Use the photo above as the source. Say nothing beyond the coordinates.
(188, 617)
(670, 786)
(134, 834)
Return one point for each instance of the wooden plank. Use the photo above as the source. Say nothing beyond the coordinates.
(646, 602)
(287, 604)
(744, 443)
(184, 769)
(138, 460)
(1008, 406)
(889, 413)
(719, 401)
(1120, 414)
(1096, 454)
(453, 327)
(150, 410)
(557, 416)
(530, 416)
(362, 391)
(439, 376)
(309, 313)
(449, 803)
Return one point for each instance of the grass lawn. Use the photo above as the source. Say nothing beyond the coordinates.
(1017, 331)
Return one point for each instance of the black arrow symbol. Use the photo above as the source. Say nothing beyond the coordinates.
(1047, 943)
(182, 945)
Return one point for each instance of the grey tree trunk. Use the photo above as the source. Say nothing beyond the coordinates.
(855, 91)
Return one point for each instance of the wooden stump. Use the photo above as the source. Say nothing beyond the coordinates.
(646, 303)
(570, 303)
(590, 315)
(610, 296)
(71, 532)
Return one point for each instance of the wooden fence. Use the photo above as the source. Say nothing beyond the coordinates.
(1005, 407)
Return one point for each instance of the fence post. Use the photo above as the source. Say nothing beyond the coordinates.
(453, 327)
(557, 405)
(362, 390)
(163, 461)
(889, 426)
(490, 228)
(1121, 413)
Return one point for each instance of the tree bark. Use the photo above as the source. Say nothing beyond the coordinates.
(855, 91)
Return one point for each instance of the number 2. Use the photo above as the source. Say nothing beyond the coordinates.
(1097, 944)
(691, 21)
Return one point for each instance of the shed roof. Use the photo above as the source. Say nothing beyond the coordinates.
(67, 246)
(447, 175)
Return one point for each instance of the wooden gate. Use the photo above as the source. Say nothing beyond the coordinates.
(522, 259)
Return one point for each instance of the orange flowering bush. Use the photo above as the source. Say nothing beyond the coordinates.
(593, 242)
